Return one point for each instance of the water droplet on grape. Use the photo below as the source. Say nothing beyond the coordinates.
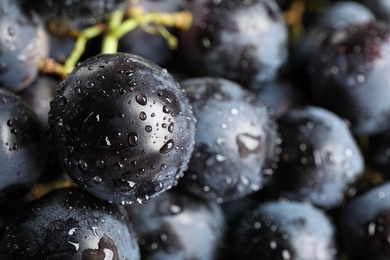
(141, 99)
(167, 147)
(142, 116)
(171, 127)
(248, 144)
(148, 128)
(133, 139)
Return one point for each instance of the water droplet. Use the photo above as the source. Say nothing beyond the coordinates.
(206, 42)
(248, 144)
(83, 165)
(148, 128)
(171, 127)
(61, 101)
(141, 99)
(142, 116)
(159, 187)
(257, 225)
(77, 90)
(220, 158)
(118, 166)
(11, 31)
(103, 142)
(72, 231)
(175, 209)
(166, 109)
(167, 147)
(360, 78)
(234, 111)
(286, 254)
(94, 231)
(133, 139)
(163, 167)
(89, 84)
(76, 245)
(371, 228)
(143, 200)
(97, 179)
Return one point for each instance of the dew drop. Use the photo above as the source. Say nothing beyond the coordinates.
(133, 139)
(61, 101)
(89, 84)
(97, 179)
(142, 116)
(76, 245)
(77, 90)
(167, 147)
(141, 99)
(83, 165)
(163, 167)
(166, 109)
(148, 128)
(171, 127)
(248, 144)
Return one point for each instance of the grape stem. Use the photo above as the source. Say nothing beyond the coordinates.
(119, 24)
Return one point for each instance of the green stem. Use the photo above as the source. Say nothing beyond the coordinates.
(80, 44)
(110, 39)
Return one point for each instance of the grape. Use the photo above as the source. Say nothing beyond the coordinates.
(284, 230)
(178, 225)
(39, 95)
(24, 146)
(244, 41)
(364, 224)
(320, 160)
(123, 127)
(70, 224)
(234, 141)
(277, 130)
(23, 42)
(350, 76)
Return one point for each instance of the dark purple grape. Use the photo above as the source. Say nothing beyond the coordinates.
(335, 16)
(364, 225)
(234, 142)
(70, 224)
(350, 76)
(178, 225)
(284, 230)
(23, 42)
(77, 10)
(244, 41)
(39, 95)
(23, 146)
(123, 128)
(320, 160)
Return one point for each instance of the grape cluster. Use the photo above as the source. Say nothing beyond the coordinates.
(194, 129)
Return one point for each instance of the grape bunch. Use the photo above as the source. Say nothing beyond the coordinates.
(194, 129)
